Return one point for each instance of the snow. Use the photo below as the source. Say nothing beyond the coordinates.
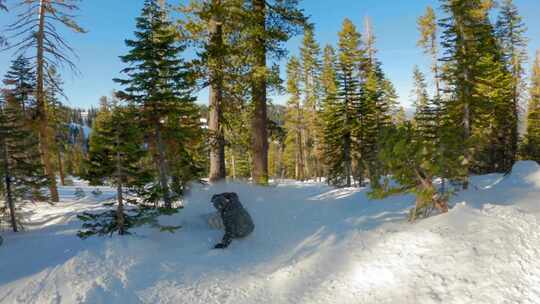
(312, 244)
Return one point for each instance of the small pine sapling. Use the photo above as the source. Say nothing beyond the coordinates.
(413, 166)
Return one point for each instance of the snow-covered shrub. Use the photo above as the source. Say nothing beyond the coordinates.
(105, 223)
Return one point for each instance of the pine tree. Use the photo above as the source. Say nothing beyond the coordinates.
(428, 28)
(341, 114)
(378, 99)
(20, 81)
(21, 172)
(159, 84)
(369, 129)
(278, 133)
(311, 66)
(329, 113)
(294, 121)
(510, 31)
(531, 145)
(269, 25)
(424, 117)
(37, 28)
(497, 120)
(409, 161)
(215, 55)
(58, 121)
(116, 154)
(473, 70)
(210, 25)
(400, 117)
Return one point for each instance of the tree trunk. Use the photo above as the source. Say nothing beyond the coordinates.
(42, 105)
(9, 194)
(233, 164)
(514, 140)
(61, 168)
(259, 135)
(466, 112)
(307, 156)
(120, 221)
(300, 156)
(162, 168)
(217, 138)
(299, 169)
(347, 159)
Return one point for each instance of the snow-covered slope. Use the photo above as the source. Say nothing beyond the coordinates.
(312, 244)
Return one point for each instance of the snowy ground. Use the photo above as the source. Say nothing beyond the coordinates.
(312, 244)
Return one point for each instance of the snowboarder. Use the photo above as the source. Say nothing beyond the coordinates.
(236, 219)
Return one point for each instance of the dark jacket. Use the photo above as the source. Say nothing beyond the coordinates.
(236, 219)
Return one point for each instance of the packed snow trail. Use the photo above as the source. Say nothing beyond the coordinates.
(312, 244)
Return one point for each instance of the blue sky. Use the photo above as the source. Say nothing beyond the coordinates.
(110, 22)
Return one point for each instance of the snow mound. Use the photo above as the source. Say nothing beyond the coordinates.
(312, 244)
(526, 172)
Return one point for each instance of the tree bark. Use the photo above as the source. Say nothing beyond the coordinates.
(300, 156)
(162, 168)
(9, 194)
(61, 168)
(42, 105)
(120, 221)
(466, 111)
(233, 164)
(217, 137)
(348, 160)
(259, 135)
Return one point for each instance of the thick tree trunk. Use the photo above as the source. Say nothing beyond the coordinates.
(259, 135)
(9, 194)
(162, 168)
(217, 138)
(42, 105)
(61, 168)
(120, 220)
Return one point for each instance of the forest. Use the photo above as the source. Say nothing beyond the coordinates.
(152, 144)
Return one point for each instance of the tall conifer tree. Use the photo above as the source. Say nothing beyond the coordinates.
(20, 81)
(21, 172)
(510, 31)
(159, 84)
(429, 31)
(37, 28)
(423, 116)
(344, 116)
(270, 24)
(294, 120)
(476, 84)
(531, 146)
(331, 140)
(311, 65)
